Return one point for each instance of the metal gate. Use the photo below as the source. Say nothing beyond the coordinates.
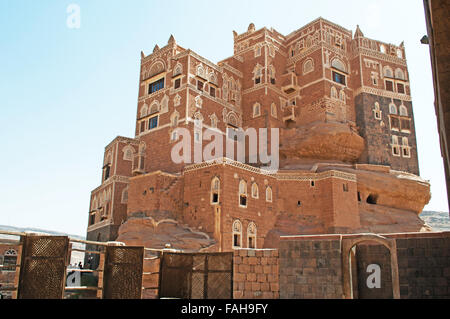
(197, 275)
(43, 267)
(123, 272)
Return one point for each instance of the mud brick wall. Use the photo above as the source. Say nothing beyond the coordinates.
(255, 274)
(150, 277)
(424, 267)
(310, 269)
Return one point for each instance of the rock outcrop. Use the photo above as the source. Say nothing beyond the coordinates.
(158, 233)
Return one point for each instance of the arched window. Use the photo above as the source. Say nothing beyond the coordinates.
(255, 190)
(395, 146)
(272, 74)
(392, 108)
(273, 110)
(403, 110)
(257, 72)
(242, 193)
(128, 153)
(342, 96)
(256, 109)
(251, 235)
(308, 66)
(309, 41)
(334, 94)
(156, 68)
(405, 141)
(257, 50)
(271, 50)
(394, 140)
(237, 234)
(338, 65)
(232, 119)
(174, 119)
(154, 108)
(377, 111)
(399, 54)
(125, 196)
(405, 148)
(382, 49)
(212, 78)
(399, 74)
(177, 100)
(214, 120)
(165, 104)
(268, 194)
(144, 110)
(201, 71)
(215, 189)
(387, 71)
(94, 204)
(178, 69)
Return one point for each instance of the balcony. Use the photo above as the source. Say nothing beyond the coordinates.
(289, 83)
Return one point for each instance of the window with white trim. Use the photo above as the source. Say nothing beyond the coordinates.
(237, 234)
(251, 235)
(377, 111)
(256, 109)
(273, 110)
(215, 189)
(395, 146)
(243, 193)
(268, 194)
(406, 150)
(255, 190)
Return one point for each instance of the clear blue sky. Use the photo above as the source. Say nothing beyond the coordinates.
(66, 93)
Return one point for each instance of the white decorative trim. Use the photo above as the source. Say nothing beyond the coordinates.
(384, 93)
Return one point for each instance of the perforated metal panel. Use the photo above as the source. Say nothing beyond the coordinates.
(123, 272)
(197, 275)
(43, 268)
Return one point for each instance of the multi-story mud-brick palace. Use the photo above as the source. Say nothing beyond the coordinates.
(347, 146)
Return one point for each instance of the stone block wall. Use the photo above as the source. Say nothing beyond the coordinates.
(255, 274)
(424, 267)
(310, 269)
(368, 255)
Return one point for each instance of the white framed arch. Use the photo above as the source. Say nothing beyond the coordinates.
(251, 235)
(308, 66)
(338, 64)
(237, 234)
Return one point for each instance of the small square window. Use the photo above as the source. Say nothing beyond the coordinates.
(243, 201)
(338, 78)
(199, 85)
(212, 91)
(258, 80)
(236, 240)
(215, 198)
(153, 123)
(389, 86)
(177, 83)
(400, 88)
